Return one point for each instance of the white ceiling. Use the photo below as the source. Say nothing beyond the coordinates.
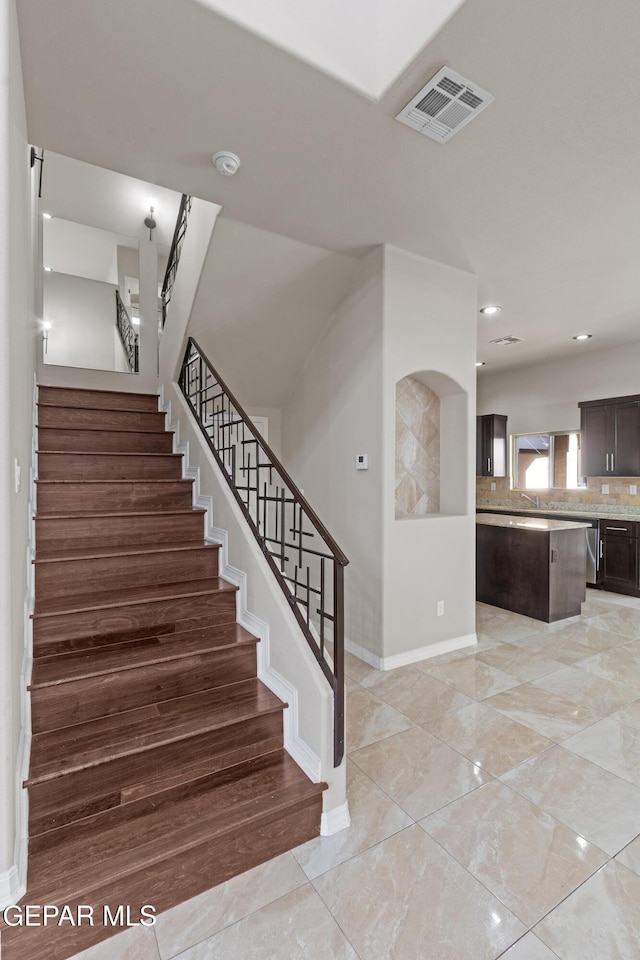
(364, 44)
(539, 197)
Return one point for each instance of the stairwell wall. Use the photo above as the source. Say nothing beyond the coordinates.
(18, 187)
(334, 413)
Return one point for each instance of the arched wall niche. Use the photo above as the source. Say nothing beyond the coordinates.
(431, 444)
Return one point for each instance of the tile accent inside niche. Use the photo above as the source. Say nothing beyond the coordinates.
(417, 449)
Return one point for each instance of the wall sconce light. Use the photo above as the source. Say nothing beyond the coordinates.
(46, 326)
(150, 222)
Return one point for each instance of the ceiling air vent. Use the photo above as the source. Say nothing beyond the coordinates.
(503, 341)
(444, 106)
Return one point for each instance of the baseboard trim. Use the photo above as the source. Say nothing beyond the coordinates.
(410, 656)
(11, 888)
(335, 820)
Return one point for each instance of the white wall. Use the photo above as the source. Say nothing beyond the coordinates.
(82, 314)
(545, 396)
(430, 325)
(17, 365)
(333, 413)
(274, 416)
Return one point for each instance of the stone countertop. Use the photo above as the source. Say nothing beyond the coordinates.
(527, 523)
(593, 514)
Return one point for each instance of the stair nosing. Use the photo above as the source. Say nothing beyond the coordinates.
(105, 453)
(178, 546)
(89, 428)
(130, 481)
(122, 513)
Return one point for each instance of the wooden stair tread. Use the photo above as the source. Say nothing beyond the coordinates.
(132, 482)
(94, 853)
(87, 553)
(84, 428)
(69, 749)
(56, 606)
(132, 654)
(107, 453)
(166, 512)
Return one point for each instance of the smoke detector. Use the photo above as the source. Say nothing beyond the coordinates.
(504, 341)
(225, 162)
(444, 105)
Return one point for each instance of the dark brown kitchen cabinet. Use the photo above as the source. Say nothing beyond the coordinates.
(610, 437)
(491, 445)
(619, 567)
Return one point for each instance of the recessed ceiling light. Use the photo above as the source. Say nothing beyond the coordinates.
(480, 363)
(48, 269)
(490, 310)
(583, 336)
(47, 216)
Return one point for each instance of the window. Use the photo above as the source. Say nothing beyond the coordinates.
(542, 461)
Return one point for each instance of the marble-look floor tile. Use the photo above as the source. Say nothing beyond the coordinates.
(630, 856)
(529, 948)
(298, 925)
(419, 696)
(586, 634)
(211, 911)
(369, 719)
(598, 696)
(562, 703)
(521, 854)
(611, 744)
(407, 899)
(548, 714)
(472, 677)
(599, 920)
(518, 662)
(374, 817)
(597, 607)
(359, 671)
(629, 715)
(624, 621)
(508, 630)
(418, 771)
(563, 650)
(596, 804)
(620, 664)
(488, 738)
(138, 943)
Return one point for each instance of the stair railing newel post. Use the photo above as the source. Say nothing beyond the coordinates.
(292, 538)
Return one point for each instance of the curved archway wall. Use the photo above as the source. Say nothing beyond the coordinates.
(429, 326)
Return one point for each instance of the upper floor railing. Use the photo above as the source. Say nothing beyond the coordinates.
(128, 334)
(305, 559)
(174, 254)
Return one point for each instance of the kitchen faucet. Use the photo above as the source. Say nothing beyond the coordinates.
(535, 500)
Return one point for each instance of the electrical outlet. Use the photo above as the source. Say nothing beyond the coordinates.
(633, 488)
(605, 488)
(493, 486)
(440, 608)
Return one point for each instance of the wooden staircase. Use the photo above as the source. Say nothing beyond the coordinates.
(157, 764)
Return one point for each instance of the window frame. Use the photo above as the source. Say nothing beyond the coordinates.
(513, 458)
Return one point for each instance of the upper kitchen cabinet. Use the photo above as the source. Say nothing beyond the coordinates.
(610, 432)
(491, 445)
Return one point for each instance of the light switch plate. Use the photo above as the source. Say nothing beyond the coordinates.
(605, 488)
(493, 486)
(633, 488)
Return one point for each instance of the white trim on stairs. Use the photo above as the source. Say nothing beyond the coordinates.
(305, 757)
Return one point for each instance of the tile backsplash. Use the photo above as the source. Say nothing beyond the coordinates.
(417, 449)
(618, 500)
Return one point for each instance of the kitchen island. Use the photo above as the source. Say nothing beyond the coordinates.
(531, 565)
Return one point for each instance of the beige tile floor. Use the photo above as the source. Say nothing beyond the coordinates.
(495, 804)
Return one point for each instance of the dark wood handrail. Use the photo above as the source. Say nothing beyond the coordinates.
(302, 554)
(174, 253)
